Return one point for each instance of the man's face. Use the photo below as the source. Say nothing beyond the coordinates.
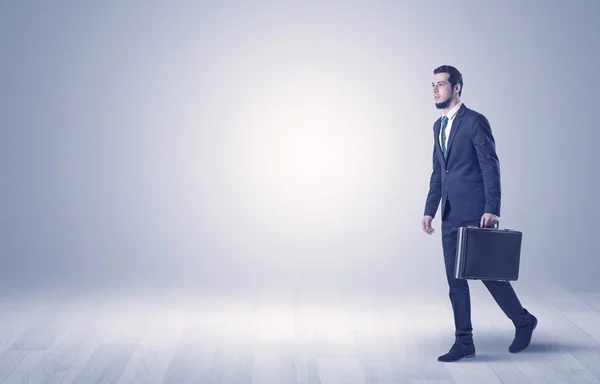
(442, 90)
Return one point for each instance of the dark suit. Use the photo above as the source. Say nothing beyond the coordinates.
(468, 185)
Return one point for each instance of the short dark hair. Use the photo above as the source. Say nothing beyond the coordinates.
(455, 77)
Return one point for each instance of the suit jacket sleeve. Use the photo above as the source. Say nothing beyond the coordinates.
(435, 185)
(485, 146)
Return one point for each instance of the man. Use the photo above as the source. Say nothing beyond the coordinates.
(466, 178)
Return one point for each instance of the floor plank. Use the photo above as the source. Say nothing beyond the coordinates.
(149, 362)
(106, 364)
(275, 345)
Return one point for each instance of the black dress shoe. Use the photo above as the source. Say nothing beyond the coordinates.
(457, 352)
(523, 336)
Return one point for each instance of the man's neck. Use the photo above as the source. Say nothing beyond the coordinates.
(453, 103)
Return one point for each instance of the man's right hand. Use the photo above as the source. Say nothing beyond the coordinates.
(426, 225)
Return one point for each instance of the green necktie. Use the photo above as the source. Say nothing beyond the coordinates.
(444, 123)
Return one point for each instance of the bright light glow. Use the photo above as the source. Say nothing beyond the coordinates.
(312, 154)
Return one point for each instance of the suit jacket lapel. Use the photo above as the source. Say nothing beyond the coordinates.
(455, 125)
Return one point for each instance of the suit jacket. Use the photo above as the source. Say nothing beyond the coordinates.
(470, 176)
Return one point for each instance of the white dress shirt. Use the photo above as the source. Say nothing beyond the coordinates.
(451, 114)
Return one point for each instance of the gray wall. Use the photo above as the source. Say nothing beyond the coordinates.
(182, 141)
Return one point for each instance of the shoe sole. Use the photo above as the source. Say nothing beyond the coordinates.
(469, 356)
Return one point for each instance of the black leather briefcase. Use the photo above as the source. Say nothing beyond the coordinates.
(488, 253)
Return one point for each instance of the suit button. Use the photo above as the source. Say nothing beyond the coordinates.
(446, 171)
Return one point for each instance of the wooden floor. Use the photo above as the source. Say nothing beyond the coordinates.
(289, 333)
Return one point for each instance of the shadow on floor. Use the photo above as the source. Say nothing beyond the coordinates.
(490, 352)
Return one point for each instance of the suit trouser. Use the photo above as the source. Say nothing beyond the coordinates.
(502, 291)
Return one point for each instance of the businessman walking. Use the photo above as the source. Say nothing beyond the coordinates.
(466, 178)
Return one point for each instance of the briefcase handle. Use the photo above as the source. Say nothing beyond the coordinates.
(496, 225)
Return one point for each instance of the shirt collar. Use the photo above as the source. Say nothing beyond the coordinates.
(451, 113)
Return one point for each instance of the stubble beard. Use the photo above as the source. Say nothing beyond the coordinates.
(443, 104)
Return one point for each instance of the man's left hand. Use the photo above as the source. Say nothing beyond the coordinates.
(488, 220)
